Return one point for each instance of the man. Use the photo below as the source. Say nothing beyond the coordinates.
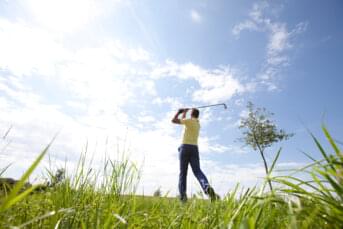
(189, 153)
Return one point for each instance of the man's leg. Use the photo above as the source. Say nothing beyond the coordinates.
(184, 160)
(195, 164)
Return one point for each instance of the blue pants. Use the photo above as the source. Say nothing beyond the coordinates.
(190, 154)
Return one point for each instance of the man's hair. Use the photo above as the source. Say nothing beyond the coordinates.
(195, 113)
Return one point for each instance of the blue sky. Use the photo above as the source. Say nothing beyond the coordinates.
(116, 71)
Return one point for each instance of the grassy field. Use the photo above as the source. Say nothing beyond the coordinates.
(81, 201)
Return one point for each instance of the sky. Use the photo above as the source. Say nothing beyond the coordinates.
(107, 76)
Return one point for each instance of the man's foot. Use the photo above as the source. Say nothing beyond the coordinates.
(183, 199)
(211, 193)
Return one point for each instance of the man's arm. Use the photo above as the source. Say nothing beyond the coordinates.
(176, 119)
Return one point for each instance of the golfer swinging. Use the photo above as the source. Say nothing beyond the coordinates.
(189, 153)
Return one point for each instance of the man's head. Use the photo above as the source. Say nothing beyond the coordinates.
(195, 113)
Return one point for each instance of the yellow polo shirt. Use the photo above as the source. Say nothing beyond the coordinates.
(191, 131)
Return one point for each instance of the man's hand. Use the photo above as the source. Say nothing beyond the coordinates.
(182, 111)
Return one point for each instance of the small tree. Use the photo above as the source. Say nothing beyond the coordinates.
(260, 132)
(57, 178)
(158, 192)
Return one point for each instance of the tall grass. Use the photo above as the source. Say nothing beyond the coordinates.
(319, 199)
(106, 199)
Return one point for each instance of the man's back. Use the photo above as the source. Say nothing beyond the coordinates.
(191, 131)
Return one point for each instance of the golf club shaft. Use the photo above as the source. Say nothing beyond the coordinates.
(218, 104)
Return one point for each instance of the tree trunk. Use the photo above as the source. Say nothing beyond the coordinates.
(264, 161)
(266, 168)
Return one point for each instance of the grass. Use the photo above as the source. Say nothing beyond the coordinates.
(84, 201)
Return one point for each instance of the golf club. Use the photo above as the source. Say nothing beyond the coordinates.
(213, 105)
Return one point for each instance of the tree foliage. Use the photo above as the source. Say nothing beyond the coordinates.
(158, 192)
(57, 178)
(260, 132)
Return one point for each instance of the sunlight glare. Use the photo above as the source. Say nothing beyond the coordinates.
(62, 15)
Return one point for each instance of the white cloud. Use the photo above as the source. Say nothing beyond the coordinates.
(216, 94)
(227, 149)
(174, 103)
(215, 85)
(25, 49)
(257, 11)
(139, 55)
(246, 25)
(62, 14)
(291, 164)
(146, 119)
(195, 16)
(66, 16)
(279, 41)
(225, 177)
(99, 72)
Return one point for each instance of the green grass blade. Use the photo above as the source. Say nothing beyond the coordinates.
(332, 142)
(318, 181)
(18, 198)
(290, 184)
(300, 182)
(307, 155)
(20, 184)
(337, 187)
(274, 161)
(322, 151)
(4, 169)
(46, 215)
(58, 224)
